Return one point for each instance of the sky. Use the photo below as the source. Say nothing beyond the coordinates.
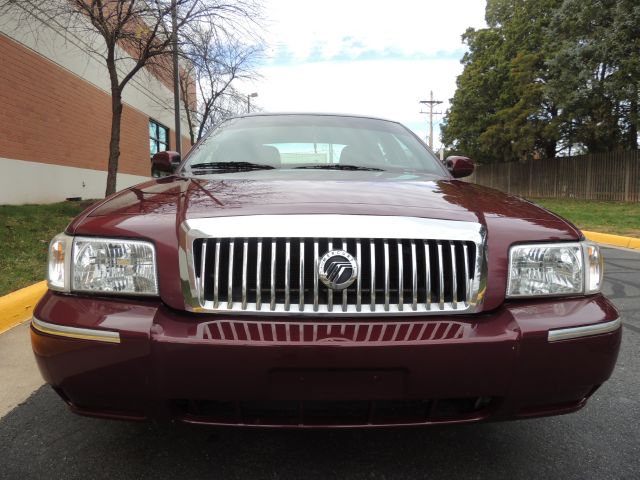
(372, 57)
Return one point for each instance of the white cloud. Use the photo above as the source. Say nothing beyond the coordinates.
(328, 27)
(388, 85)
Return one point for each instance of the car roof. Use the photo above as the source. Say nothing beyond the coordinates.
(318, 114)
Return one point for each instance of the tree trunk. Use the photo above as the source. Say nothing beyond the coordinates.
(550, 149)
(114, 143)
(190, 123)
(187, 109)
(634, 116)
(205, 114)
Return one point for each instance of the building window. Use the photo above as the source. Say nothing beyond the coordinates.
(158, 137)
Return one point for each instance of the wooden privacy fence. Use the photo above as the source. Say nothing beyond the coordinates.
(604, 176)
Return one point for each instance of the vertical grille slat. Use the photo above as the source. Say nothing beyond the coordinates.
(414, 277)
(468, 280)
(273, 274)
(427, 275)
(230, 280)
(372, 273)
(344, 292)
(245, 254)
(301, 278)
(287, 275)
(393, 276)
(315, 275)
(216, 276)
(330, 292)
(454, 282)
(400, 277)
(359, 276)
(387, 294)
(440, 277)
(203, 276)
(259, 275)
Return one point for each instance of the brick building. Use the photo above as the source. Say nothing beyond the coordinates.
(55, 117)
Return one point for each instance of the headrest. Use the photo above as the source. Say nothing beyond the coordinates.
(350, 155)
(268, 155)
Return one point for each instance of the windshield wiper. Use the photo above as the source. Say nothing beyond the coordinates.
(228, 167)
(339, 166)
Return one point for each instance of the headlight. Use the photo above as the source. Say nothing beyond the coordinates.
(554, 269)
(103, 265)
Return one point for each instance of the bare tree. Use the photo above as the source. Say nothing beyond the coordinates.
(131, 35)
(217, 59)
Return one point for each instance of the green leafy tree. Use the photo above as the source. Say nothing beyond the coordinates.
(548, 77)
(596, 71)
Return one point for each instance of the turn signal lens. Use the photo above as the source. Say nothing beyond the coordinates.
(595, 268)
(58, 269)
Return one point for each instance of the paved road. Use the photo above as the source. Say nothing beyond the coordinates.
(40, 439)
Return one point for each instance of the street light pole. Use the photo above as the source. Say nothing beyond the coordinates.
(249, 97)
(176, 75)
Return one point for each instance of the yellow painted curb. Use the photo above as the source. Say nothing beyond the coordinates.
(17, 307)
(617, 240)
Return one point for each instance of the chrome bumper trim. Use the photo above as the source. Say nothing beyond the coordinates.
(585, 331)
(75, 332)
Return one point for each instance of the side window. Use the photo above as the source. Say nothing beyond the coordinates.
(158, 137)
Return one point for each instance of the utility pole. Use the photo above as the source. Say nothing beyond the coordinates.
(431, 103)
(176, 75)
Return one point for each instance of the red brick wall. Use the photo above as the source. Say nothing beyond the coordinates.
(50, 115)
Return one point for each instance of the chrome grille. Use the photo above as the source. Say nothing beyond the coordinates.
(279, 274)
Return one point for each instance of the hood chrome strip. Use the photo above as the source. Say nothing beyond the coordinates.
(332, 226)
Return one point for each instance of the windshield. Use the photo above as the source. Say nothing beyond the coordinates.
(329, 142)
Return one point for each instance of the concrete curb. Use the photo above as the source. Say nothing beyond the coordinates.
(617, 240)
(17, 307)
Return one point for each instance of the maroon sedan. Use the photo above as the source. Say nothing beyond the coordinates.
(321, 270)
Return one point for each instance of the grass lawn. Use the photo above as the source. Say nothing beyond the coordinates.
(25, 232)
(606, 217)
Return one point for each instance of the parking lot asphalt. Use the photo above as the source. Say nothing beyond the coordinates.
(41, 439)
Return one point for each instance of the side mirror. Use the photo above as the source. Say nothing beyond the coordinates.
(164, 162)
(459, 166)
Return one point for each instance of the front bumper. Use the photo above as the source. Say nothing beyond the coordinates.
(138, 359)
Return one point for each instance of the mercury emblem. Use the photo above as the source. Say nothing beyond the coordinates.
(337, 269)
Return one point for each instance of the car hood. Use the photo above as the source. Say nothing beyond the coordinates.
(155, 210)
(272, 192)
